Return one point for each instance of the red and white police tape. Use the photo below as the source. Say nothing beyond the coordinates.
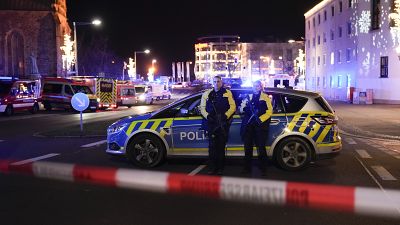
(358, 200)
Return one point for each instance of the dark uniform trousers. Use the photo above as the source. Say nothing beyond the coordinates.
(216, 147)
(255, 135)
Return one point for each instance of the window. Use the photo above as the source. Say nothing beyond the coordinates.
(319, 60)
(348, 28)
(348, 81)
(350, 3)
(324, 59)
(339, 53)
(332, 35)
(339, 81)
(293, 103)
(331, 81)
(375, 14)
(308, 43)
(333, 11)
(340, 32)
(313, 21)
(348, 55)
(324, 37)
(308, 23)
(384, 67)
(332, 58)
(68, 90)
(340, 6)
(313, 42)
(325, 15)
(319, 19)
(324, 81)
(52, 88)
(318, 79)
(319, 40)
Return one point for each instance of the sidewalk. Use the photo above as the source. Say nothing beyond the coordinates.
(377, 120)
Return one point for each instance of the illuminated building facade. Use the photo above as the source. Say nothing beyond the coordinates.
(31, 37)
(228, 57)
(218, 55)
(351, 45)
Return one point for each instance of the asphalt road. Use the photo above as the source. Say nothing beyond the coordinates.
(27, 200)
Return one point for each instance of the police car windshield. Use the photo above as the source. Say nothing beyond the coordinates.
(5, 88)
(82, 89)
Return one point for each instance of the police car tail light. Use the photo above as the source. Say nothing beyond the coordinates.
(325, 120)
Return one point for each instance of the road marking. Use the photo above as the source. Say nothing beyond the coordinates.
(383, 173)
(34, 159)
(94, 144)
(351, 141)
(364, 154)
(198, 169)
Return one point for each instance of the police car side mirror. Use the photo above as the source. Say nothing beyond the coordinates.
(184, 111)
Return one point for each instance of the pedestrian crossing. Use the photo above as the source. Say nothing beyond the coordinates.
(389, 147)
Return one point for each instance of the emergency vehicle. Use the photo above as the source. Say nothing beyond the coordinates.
(130, 94)
(58, 92)
(159, 90)
(104, 88)
(303, 129)
(18, 95)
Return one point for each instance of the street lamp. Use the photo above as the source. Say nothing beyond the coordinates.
(95, 22)
(147, 51)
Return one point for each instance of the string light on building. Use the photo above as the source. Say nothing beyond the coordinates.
(68, 55)
(395, 30)
(131, 68)
(365, 21)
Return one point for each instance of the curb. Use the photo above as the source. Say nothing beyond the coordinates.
(357, 200)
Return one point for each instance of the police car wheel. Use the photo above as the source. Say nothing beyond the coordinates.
(146, 150)
(293, 154)
(9, 110)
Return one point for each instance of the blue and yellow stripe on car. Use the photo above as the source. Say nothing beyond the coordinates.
(303, 123)
(156, 125)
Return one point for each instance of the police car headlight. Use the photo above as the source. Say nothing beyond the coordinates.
(116, 128)
(142, 97)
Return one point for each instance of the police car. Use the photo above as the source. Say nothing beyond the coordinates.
(303, 129)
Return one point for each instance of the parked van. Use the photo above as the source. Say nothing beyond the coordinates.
(18, 95)
(58, 92)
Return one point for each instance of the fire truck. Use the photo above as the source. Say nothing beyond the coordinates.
(104, 88)
(18, 95)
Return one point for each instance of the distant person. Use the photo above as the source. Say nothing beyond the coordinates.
(217, 108)
(257, 109)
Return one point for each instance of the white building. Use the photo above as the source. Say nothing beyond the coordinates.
(351, 44)
(228, 57)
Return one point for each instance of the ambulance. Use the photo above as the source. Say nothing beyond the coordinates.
(58, 92)
(19, 95)
(130, 94)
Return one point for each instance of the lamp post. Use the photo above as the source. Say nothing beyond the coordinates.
(94, 22)
(147, 51)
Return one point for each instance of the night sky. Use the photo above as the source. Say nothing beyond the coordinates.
(170, 28)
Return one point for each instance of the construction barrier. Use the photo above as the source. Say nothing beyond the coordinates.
(358, 200)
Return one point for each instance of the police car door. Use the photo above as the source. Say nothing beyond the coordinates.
(187, 135)
(278, 118)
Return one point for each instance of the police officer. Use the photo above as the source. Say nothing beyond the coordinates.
(217, 107)
(257, 109)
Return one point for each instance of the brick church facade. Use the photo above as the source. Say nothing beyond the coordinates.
(31, 34)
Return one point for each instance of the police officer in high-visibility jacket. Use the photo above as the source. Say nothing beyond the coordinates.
(217, 107)
(257, 110)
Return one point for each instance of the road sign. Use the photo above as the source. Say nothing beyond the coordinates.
(80, 101)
